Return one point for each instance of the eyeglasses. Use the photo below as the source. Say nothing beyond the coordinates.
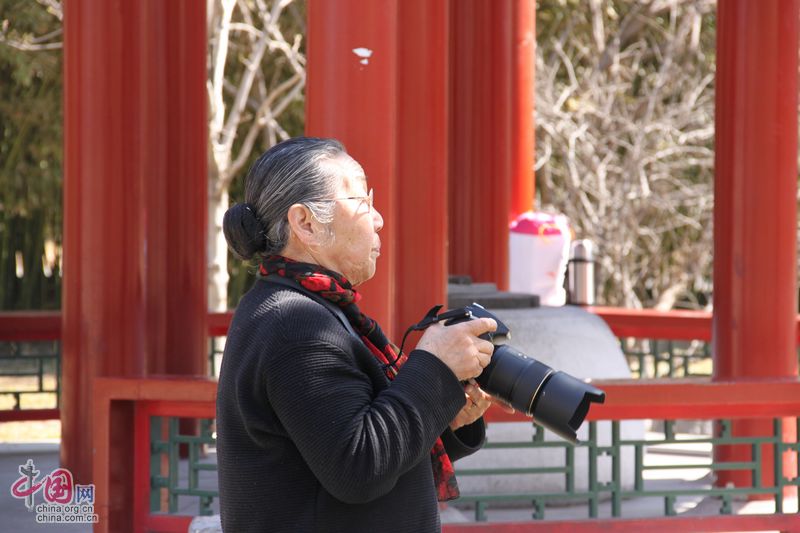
(369, 198)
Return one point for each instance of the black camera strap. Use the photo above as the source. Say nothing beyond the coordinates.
(330, 306)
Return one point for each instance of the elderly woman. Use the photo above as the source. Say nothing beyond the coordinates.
(322, 424)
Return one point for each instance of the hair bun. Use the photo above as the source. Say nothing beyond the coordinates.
(245, 233)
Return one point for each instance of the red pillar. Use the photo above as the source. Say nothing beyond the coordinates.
(422, 165)
(523, 53)
(755, 214)
(389, 109)
(134, 206)
(491, 142)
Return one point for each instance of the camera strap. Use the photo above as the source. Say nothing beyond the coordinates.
(330, 306)
(431, 317)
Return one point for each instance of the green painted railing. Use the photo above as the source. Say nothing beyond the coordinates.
(30, 375)
(666, 358)
(613, 489)
(182, 478)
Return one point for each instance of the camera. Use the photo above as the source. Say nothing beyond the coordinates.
(556, 400)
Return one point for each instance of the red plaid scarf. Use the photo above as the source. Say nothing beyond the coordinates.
(335, 288)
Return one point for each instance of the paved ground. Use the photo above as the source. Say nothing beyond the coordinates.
(15, 517)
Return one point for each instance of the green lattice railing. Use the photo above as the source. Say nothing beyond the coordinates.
(30, 374)
(614, 490)
(666, 358)
(625, 455)
(181, 478)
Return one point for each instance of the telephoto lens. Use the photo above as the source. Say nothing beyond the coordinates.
(556, 400)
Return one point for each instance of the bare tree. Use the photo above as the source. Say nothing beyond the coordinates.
(256, 72)
(34, 43)
(624, 114)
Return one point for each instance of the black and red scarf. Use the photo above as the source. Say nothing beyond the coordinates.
(335, 288)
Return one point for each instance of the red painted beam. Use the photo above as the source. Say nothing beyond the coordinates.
(651, 324)
(625, 399)
(699, 398)
(16, 326)
(218, 323)
(637, 323)
(25, 415)
(648, 323)
(781, 522)
(167, 523)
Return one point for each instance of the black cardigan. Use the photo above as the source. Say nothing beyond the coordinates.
(312, 436)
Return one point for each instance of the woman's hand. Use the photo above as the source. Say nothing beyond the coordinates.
(459, 347)
(477, 403)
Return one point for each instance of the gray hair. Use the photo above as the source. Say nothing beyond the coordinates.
(291, 172)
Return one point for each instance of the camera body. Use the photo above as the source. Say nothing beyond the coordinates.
(555, 399)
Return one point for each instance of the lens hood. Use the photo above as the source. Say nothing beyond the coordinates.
(563, 403)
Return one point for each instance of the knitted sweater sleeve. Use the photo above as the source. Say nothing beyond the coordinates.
(465, 440)
(356, 442)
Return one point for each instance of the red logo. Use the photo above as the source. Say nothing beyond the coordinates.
(57, 487)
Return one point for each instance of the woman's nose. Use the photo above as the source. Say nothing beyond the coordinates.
(377, 219)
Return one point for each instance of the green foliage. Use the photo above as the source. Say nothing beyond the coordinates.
(30, 159)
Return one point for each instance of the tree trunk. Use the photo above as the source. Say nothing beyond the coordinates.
(217, 248)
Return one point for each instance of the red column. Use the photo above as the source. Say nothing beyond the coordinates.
(389, 110)
(491, 142)
(755, 214)
(134, 206)
(523, 53)
(421, 261)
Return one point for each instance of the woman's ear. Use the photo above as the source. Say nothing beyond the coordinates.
(303, 225)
